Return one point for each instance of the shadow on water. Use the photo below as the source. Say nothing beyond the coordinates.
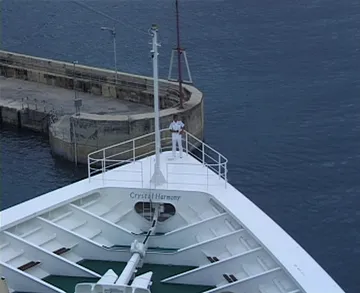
(28, 169)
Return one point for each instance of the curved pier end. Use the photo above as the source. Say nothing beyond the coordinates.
(38, 94)
(89, 132)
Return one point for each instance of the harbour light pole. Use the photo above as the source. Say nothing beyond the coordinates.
(157, 178)
(113, 33)
(179, 51)
(74, 78)
(77, 104)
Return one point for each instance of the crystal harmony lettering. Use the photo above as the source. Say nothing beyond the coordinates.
(154, 196)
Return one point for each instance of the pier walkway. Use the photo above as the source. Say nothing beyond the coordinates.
(23, 94)
(38, 94)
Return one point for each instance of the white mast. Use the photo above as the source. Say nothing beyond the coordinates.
(158, 177)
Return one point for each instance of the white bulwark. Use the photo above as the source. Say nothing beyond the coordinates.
(202, 221)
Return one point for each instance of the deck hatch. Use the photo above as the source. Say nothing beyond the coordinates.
(147, 209)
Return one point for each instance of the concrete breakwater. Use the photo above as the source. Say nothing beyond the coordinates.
(38, 94)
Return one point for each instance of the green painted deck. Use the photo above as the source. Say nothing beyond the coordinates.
(160, 272)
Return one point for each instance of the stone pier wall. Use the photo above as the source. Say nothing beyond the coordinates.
(89, 132)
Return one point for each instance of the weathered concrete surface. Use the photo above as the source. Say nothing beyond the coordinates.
(129, 87)
(45, 96)
(29, 105)
(38, 94)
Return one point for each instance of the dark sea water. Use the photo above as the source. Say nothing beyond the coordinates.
(281, 80)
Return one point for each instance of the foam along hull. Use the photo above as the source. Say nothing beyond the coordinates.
(234, 246)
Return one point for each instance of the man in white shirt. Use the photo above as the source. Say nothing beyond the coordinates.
(176, 128)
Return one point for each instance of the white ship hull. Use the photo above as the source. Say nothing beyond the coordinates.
(234, 246)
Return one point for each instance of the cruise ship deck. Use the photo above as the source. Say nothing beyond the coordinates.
(233, 245)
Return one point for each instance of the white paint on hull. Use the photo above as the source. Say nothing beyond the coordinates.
(198, 194)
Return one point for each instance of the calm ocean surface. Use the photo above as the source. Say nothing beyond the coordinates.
(281, 80)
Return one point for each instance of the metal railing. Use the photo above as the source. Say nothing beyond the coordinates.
(131, 151)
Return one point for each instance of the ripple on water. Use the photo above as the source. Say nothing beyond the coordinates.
(28, 168)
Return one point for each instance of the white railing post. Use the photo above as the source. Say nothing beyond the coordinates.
(186, 143)
(89, 169)
(207, 178)
(134, 155)
(103, 161)
(219, 162)
(225, 171)
(103, 166)
(203, 152)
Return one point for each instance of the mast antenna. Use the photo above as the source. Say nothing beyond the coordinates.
(157, 178)
(180, 52)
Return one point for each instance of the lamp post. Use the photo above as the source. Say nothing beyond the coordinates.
(113, 33)
(76, 113)
(179, 54)
(74, 79)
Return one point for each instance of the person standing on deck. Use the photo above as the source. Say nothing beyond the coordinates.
(176, 128)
